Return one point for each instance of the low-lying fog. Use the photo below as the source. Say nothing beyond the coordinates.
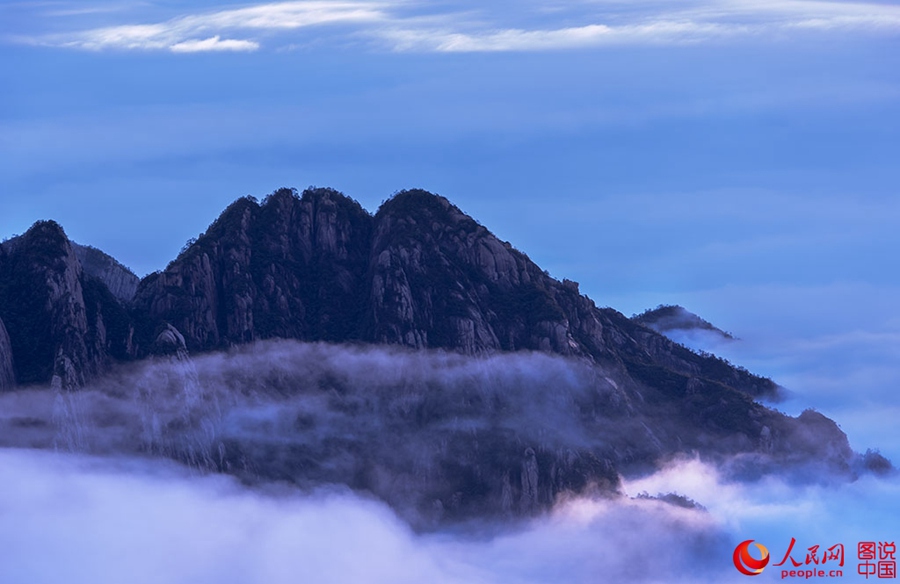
(85, 496)
(79, 519)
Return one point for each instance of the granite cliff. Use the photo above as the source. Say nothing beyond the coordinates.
(418, 275)
(121, 282)
(54, 313)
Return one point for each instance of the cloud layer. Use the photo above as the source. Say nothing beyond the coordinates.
(409, 26)
(80, 519)
(105, 521)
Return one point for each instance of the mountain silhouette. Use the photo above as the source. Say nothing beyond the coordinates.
(417, 277)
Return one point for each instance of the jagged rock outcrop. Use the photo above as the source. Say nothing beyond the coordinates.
(292, 267)
(439, 279)
(44, 309)
(54, 313)
(170, 342)
(7, 372)
(120, 281)
(419, 273)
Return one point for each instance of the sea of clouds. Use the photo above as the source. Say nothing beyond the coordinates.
(81, 519)
(83, 499)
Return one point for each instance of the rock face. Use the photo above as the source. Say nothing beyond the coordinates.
(419, 273)
(120, 281)
(438, 279)
(7, 373)
(318, 267)
(55, 316)
(291, 268)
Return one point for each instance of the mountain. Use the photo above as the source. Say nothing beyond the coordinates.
(419, 275)
(667, 318)
(64, 326)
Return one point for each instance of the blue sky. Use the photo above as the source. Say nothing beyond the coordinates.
(737, 157)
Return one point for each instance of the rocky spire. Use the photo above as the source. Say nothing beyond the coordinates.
(42, 303)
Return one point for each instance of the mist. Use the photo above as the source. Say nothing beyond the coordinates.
(82, 519)
(439, 436)
(844, 365)
(284, 461)
(113, 521)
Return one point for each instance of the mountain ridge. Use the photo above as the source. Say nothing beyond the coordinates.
(424, 273)
(418, 272)
(421, 274)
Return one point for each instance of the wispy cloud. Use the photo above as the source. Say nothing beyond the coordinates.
(191, 33)
(403, 25)
(213, 44)
(654, 23)
(591, 35)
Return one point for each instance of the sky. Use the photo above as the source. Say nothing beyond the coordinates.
(738, 157)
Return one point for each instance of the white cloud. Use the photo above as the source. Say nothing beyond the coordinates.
(290, 15)
(791, 11)
(78, 519)
(660, 24)
(587, 25)
(773, 509)
(592, 35)
(213, 44)
(81, 519)
(184, 33)
(137, 36)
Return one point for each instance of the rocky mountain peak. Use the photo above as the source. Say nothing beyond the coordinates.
(290, 266)
(43, 307)
(413, 216)
(63, 324)
(317, 266)
(421, 204)
(418, 273)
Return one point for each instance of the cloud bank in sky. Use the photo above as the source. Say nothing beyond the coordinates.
(401, 25)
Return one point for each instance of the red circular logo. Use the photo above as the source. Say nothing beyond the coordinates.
(747, 564)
